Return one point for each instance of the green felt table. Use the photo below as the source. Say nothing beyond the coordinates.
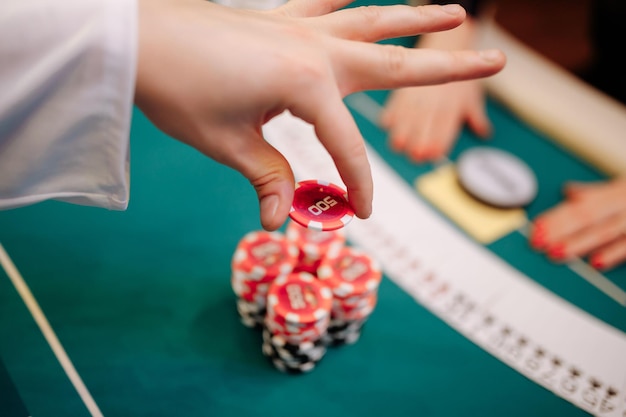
(141, 301)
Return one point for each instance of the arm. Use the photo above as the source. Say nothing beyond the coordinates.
(67, 80)
(305, 60)
(211, 76)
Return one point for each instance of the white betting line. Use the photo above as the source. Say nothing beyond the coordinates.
(370, 110)
(32, 305)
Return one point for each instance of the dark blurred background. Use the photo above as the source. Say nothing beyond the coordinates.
(584, 36)
(558, 29)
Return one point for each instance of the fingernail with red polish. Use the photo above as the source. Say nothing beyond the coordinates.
(538, 241)
(417, 156)
(597, 262)
(538, 237)
(557, 252)
(539, 226)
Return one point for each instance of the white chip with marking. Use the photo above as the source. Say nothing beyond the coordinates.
(496, 177)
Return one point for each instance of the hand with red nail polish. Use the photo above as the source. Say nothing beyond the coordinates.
(425, 122)
(591, 221)
(557, 252)
(538, 235)
(596, 261)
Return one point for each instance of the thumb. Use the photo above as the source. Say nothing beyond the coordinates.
(275, 194)
(269, 173)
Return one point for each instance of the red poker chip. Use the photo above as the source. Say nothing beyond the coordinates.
(307, 336)
(280, 326)
(307, 265)
(314, 244)
(262, 256)
(248, 289)
(320, 205)
(361, 311)
(314, 238)
(349, 272)
(299, 298)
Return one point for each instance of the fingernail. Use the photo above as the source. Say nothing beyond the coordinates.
(417, 155)
(269, 205)
(557, 252)
(367, 212)
(539, 225)
(397, 144)
(453, 9)
(490, 55)
(538, 241)
(538, 237)
(597, 262)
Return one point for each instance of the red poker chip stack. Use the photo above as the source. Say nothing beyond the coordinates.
(354, 278)
(313, 245)
(306, 288)
(259, 259)
(298, 314)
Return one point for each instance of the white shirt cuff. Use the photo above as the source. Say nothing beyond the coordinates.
(67, 80)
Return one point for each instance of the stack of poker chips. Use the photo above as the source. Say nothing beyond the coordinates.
(298, 314)
(313, 245)
(353, 278)
(306, 290)
(260, 258)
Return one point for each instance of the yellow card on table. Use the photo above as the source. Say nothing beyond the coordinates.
(482, 222)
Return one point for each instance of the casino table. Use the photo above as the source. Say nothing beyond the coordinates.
(141, 305)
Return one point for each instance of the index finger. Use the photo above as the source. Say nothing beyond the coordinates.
(338, 132)
(374, 23)
(364, 66)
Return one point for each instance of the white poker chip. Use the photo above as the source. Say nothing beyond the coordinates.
(496, 177)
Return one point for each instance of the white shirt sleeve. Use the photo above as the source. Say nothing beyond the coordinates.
(67, 79)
